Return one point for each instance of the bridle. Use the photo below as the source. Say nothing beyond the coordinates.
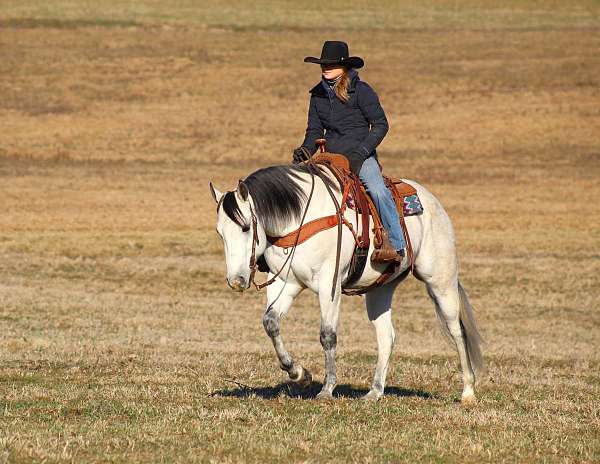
(253, 265)
(255, 241)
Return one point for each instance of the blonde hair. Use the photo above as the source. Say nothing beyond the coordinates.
(341, 87)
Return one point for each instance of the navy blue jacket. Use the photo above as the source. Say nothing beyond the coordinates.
(357, 126)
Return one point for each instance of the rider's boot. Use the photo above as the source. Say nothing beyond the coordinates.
(386, 253)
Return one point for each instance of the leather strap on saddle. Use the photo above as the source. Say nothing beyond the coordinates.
(305, 232)
(400, 190)
(365, 209)
(350, 185)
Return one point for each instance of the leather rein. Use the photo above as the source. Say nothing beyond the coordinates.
(253, 264)
(306, 231)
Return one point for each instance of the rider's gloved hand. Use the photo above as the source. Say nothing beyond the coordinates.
(301, 154)
(356, 158)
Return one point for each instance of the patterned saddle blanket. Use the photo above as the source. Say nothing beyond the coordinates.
(411, 203)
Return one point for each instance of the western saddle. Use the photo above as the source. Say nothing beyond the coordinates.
(355, 196)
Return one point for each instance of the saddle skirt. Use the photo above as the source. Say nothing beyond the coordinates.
(355, 197)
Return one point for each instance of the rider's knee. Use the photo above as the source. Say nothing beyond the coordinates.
(377, 190)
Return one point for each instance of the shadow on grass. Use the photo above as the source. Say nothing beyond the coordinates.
(292, 391)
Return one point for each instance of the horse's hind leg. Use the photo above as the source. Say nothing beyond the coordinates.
(280, 296)
(379, 309)
(448, 303)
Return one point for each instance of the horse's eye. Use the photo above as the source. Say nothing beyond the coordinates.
(245, 228)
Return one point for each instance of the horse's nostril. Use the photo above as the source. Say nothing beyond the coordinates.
(238, 283)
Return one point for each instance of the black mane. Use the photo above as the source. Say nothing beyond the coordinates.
(276, 193)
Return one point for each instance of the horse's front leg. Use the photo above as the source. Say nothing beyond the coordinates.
(330, 310)
(280, 296)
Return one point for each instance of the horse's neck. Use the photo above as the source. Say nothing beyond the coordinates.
(320, 205)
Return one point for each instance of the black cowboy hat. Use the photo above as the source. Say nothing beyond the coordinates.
(336, 52)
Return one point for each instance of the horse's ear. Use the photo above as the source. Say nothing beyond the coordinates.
(215, 193)
(242, 191)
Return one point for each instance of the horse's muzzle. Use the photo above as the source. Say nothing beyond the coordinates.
(237, 284)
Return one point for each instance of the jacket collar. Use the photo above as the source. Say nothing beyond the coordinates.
(319, 89)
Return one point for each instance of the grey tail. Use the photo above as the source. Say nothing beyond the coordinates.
(470, 332)
(468, 327)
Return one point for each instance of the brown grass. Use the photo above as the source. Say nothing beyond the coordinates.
(119, 340)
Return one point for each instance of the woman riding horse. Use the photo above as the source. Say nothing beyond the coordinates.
(348, 111)
(273, 201)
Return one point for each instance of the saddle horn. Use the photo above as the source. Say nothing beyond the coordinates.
(321, 144)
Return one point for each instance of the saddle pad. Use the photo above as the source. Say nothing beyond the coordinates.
(412, 205)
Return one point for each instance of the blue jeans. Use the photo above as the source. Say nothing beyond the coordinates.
(370, 175)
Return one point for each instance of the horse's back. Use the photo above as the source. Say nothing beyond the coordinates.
(430, 234)
(433, 237)
(434, 215)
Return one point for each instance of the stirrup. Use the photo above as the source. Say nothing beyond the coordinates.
(386, 253)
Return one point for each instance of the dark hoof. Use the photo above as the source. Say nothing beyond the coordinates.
(305, 380)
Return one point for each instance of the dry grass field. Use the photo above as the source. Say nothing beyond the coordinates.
(119, 339)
